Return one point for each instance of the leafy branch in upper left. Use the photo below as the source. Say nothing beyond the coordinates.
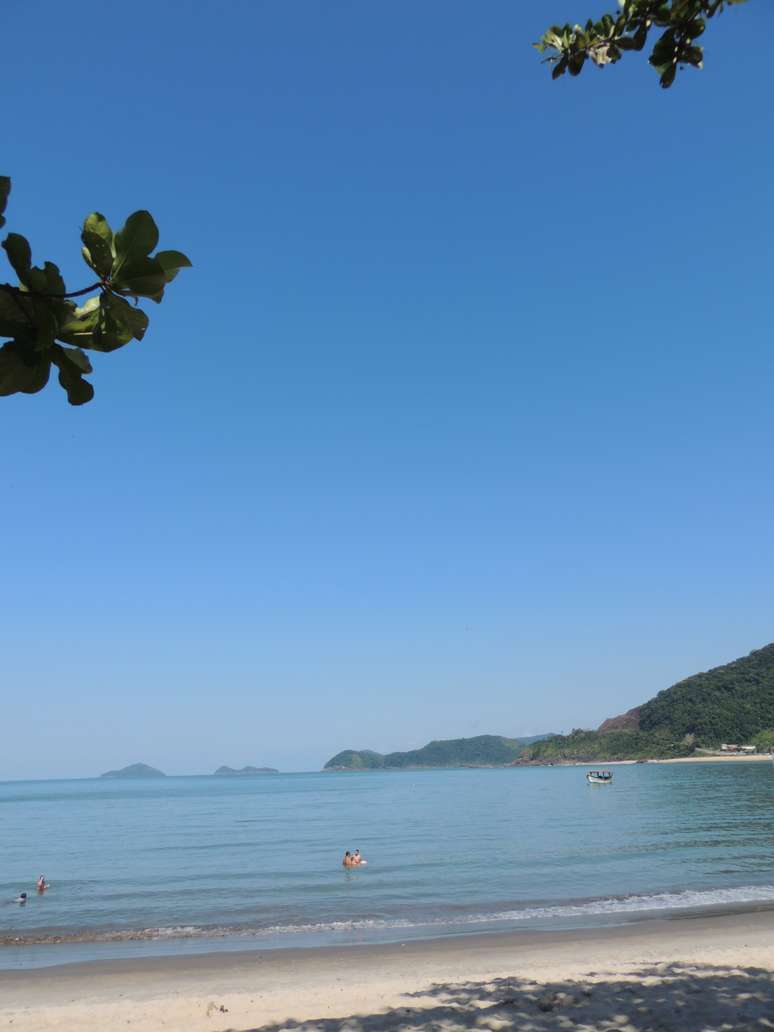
(46, 327)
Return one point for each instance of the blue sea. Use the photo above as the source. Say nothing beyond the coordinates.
(190, 864)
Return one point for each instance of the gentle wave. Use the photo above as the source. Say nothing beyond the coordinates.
(636, 904)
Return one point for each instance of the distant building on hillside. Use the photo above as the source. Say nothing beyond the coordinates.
(737, 748)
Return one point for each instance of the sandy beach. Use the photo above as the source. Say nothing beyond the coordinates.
(689, 973)
(731, 758)
(700, 758)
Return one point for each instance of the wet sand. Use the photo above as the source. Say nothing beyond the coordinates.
(697, 972)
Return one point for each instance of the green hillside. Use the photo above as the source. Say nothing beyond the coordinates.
(481, 751)
(353, 759)
(730, 703)
(593, 746)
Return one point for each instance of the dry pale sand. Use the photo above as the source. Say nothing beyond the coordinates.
(682, 975)
(732, 758)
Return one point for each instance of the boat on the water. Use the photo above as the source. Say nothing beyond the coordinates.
(599, 777)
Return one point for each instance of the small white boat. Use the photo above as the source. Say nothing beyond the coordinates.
(599, 777)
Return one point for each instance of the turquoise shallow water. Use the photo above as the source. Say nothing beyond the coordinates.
(191, 863)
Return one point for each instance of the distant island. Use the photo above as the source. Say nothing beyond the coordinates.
(244, 772)
(135, 770)
(480, 751)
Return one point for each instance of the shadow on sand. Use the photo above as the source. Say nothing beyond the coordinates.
(676, 998)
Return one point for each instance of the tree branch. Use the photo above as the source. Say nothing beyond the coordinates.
(72, 293)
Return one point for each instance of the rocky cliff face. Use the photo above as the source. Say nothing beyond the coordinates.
(629, 721)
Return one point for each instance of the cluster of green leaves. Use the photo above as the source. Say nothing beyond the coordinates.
(47, 328)
(605, 41)
(593, 746)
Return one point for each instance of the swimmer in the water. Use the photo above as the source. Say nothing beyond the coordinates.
(21, 898)
(41, 884)
(348, 860)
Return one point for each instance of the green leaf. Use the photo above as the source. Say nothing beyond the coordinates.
(19, 255)
(50, 279)
(576, 62)
(640, 37)
(135, 240)
(47, 280)
(78, 326)
(143, 277)
(77, 357)
(105, 323)
(71, 370)
(22, 370)
(97, 253)
(171, 263)
(37, 280)
(133, 319)
(664, 51)
(5, 189)
(97, 237)
(15, 311)
(668, 76)
(97, 223)
(44, 315)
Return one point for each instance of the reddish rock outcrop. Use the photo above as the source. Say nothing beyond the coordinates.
(629, 721)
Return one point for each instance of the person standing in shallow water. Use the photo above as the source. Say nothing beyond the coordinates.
(41, 884)
(348, 860)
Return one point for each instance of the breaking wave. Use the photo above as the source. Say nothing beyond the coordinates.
(543, 916)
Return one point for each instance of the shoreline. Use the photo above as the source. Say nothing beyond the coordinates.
(731, 758)
(525, 764)
(716, 758)
(755, 758)
(247, 990)
(20, 951)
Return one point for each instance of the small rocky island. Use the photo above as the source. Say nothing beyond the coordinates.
(244, 772)
(135, 770)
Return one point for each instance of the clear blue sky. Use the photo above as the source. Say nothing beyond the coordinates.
(462, 421)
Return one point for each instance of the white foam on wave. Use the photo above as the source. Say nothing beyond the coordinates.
(688, 899)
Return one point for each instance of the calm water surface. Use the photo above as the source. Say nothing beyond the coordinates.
(179, 864)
